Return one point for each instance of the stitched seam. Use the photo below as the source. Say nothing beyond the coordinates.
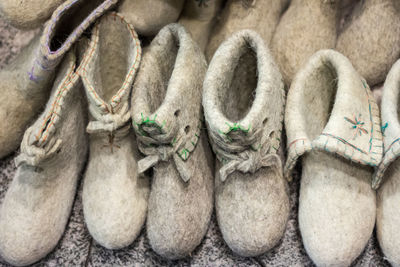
(45, 128)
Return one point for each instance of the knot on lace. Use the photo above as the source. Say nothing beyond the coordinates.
(160, 147)
(33, 155)
(108, 122)
(110, 125)
(237, 150)
(250, 162)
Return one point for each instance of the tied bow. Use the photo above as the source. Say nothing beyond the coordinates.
(33, 155)
(235, 148)
(249, 162)
(157, 149)
(108, 122)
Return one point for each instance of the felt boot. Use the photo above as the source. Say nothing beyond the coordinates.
(306, 27)
(332, 119)
(198, 17)
(114, 196)
(261, 16)
(243, 103)
(26, 82)
(388, 197)
(28, 14)
(148, 17)
(37, 205)
(166, 112)
(371, 39)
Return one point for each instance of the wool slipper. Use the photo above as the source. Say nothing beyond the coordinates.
(148, 17)
(388, 195)
(371, 39)
(243, 103)
(26, 82)
(305, 28)
(261, 16)
(37, 205)
(332, 118)
(198, 17)
(28, 14)
(114, 197)
(166, 112)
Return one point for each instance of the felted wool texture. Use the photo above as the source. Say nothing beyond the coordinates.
(114, 196)
(388, 215)
(166, 112)
(261, 16)
(26, 82)
(148, 17)
(198, 17)
(371, 39)
(38, 202)
(28, 14)
(333, 120)
(305, 28)
(243, 101)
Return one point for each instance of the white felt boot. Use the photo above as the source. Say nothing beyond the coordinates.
(114, 196)
(243, 103)
(166, 112)
(332, 119)
(38, 202)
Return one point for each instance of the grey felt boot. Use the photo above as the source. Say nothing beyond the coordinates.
(148, 17)
(387, 177)
(261, 16)
(26, 82)
(114, 196)
(166, 112)
(28, 14)
(332, 122)
(38, 202)
(243, 103)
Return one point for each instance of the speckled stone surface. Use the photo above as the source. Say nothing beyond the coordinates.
(78, 249)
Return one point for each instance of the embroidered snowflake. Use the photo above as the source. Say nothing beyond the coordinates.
(202, 3)
(357, 125)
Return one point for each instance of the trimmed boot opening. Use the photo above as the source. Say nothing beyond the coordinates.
(165, 59)
(113, 62)
(238, 95)
(319, 96)
(71, 19)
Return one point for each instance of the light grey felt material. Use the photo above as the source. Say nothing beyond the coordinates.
(73, 249)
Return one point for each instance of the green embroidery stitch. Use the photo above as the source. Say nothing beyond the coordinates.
(173, 141)
(151, 122)
(147, 121)
(184, 154)
(236, 127)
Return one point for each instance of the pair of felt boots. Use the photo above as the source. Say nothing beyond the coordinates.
(54, 148)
